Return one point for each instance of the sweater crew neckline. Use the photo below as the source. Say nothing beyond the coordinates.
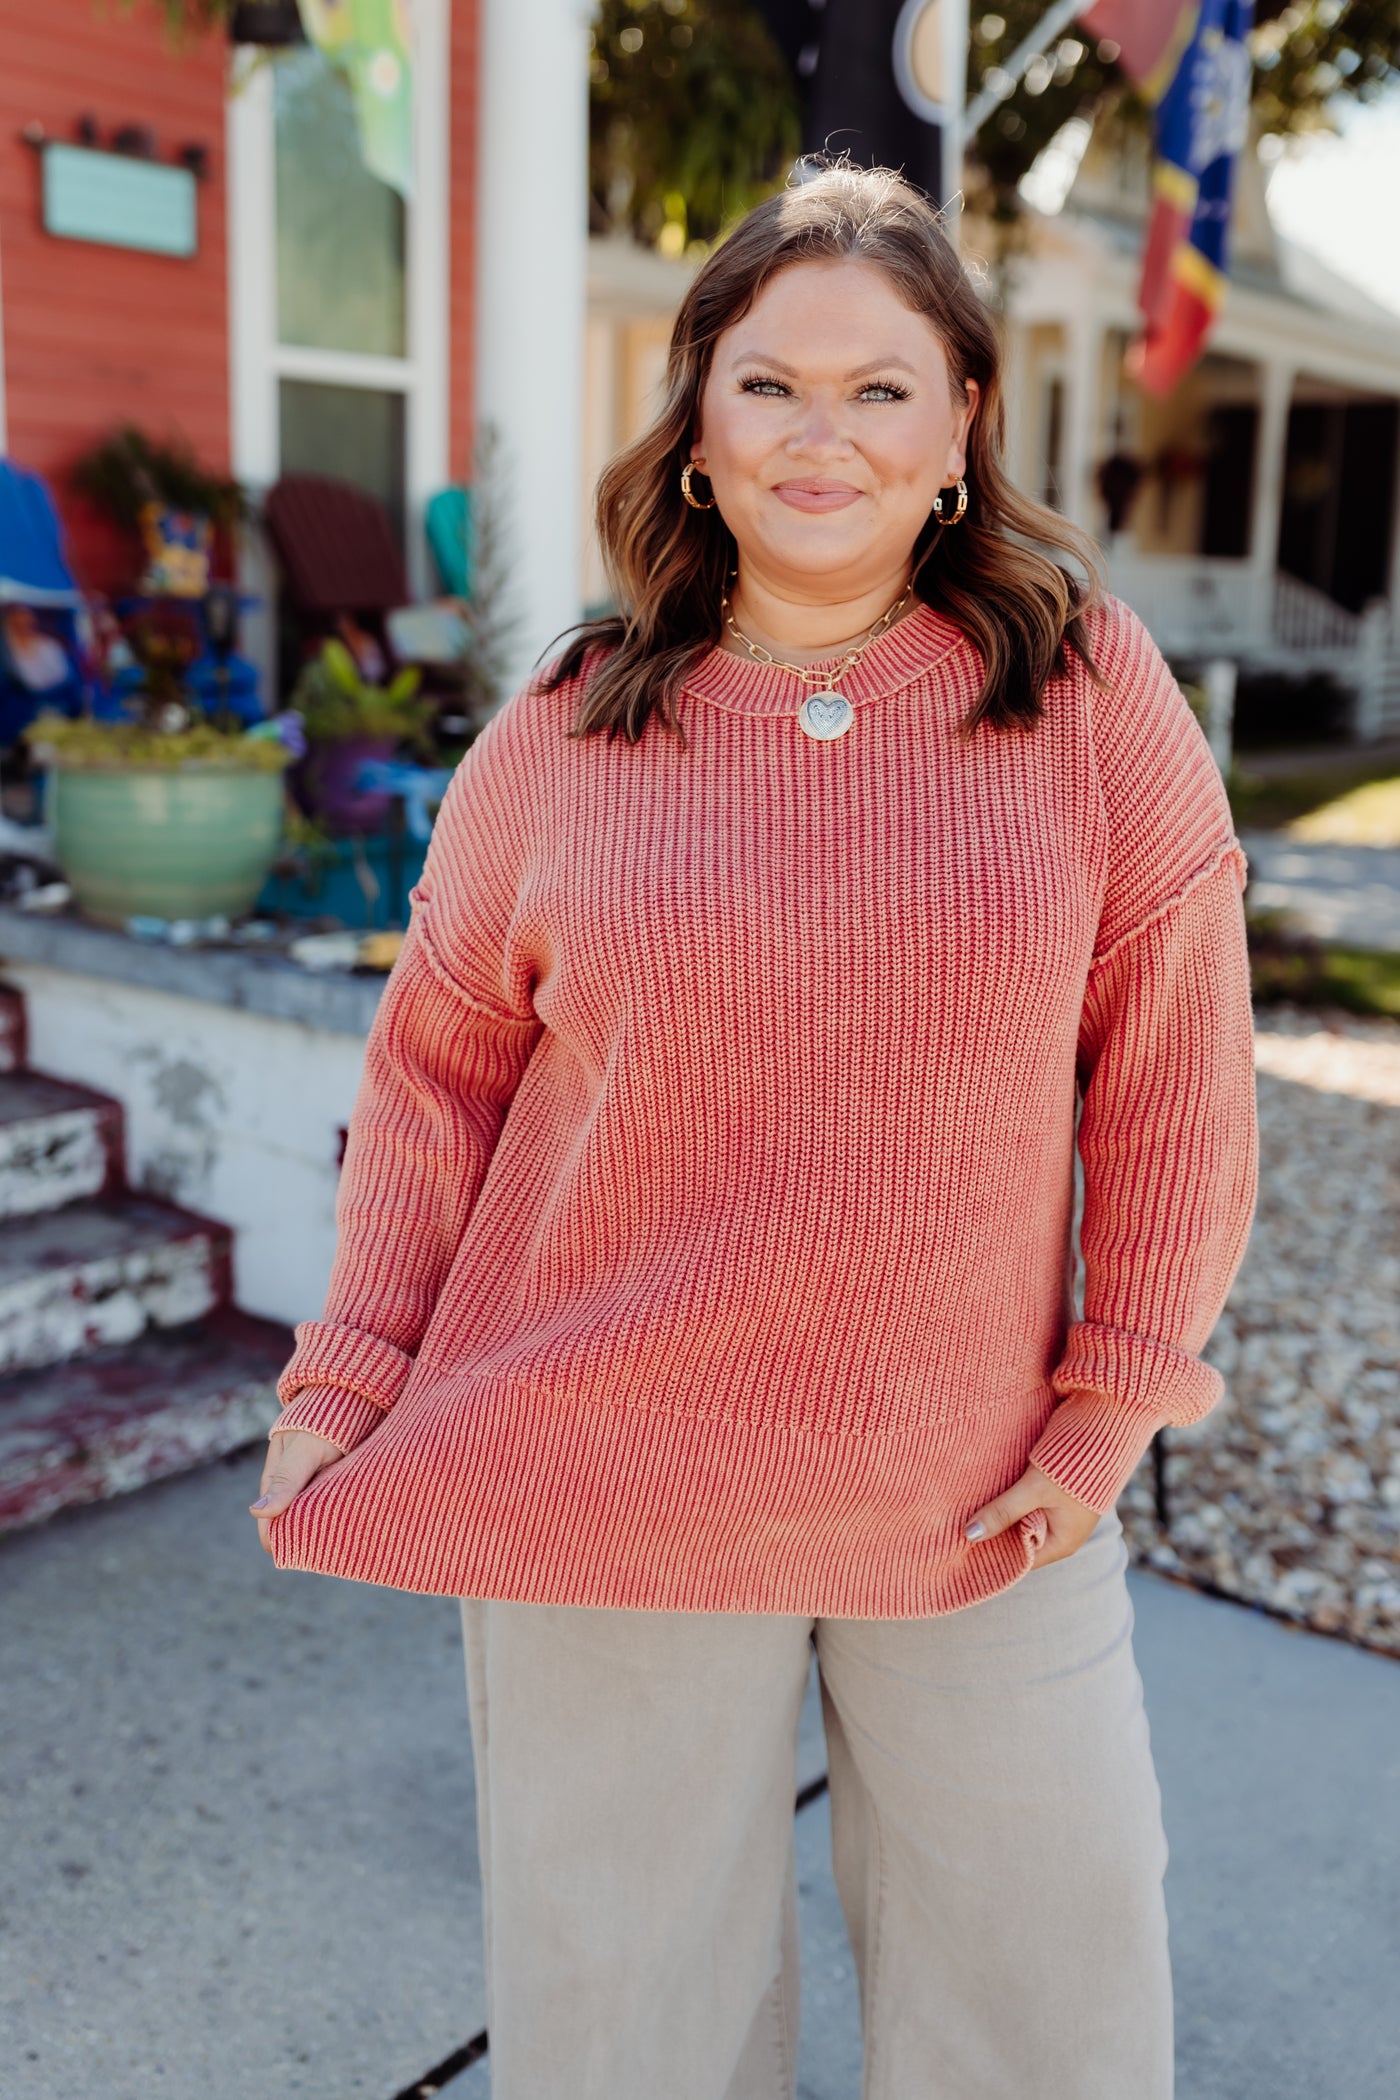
(914, 646)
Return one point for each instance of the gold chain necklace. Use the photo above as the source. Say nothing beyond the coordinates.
(825, 714)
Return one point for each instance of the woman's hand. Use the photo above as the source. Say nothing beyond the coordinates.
(294, 1457)
(1069, 1520)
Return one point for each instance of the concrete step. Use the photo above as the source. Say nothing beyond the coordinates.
(58, 1143)
(100, 1272)
(112, 1421)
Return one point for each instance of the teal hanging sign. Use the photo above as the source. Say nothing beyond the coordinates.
(118, 201)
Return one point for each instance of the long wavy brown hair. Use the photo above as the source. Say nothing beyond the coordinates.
(994, 576)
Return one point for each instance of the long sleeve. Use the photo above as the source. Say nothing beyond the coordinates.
(450, 1041)
(1167, 1132)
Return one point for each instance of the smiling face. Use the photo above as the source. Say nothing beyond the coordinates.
(828, 423)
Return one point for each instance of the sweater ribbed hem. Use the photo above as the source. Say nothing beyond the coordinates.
(538, 1499)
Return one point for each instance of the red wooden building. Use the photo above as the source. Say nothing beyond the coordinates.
(317, 318)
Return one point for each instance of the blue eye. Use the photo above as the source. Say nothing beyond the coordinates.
(874, 390)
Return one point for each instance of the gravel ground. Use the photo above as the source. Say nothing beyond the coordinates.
(1288, 1493)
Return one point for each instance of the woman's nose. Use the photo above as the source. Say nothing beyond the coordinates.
(819, 431)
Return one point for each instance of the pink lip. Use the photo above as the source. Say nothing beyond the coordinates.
(816, 492)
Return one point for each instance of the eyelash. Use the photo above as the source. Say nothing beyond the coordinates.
(759, 383)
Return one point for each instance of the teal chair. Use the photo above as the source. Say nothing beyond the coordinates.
(448, 522)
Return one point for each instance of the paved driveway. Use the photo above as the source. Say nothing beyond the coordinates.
(238, 1856)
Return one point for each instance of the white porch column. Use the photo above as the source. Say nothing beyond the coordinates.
(1276, 395)
(1083, 380)
(1014, 392)
(531, 274)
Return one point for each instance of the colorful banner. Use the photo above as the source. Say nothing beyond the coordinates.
(371, 41)
(1202, 124)
(1151, 36)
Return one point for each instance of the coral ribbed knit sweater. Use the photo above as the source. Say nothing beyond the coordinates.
(706, 1208)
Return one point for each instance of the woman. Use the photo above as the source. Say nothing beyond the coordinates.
(701, 1291)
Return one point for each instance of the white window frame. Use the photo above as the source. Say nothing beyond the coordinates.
(258, 362)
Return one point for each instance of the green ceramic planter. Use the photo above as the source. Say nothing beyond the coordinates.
(176, 844)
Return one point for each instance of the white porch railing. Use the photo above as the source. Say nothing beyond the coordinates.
(1195, 603)
(1308, 619)
(1202, 606)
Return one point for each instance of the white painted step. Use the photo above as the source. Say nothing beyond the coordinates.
(58, 1143)
(99, 1273)
(106, 1423)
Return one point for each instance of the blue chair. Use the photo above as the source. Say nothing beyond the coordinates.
(35, 579)
(448, 524)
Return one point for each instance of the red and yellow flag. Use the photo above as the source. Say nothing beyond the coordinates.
(1202, 124)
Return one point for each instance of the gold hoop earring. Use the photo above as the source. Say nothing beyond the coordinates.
(959, 513)
(694, 501)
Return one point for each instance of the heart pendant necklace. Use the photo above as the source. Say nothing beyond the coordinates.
(825, 714)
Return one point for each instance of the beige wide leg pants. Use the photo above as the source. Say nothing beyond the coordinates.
(997, 1836)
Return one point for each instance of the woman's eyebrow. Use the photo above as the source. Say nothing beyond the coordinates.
(876, 364)
(761, 357)
(884, 364)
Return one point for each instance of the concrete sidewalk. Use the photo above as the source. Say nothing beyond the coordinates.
(1346, 894)
(238, 1856)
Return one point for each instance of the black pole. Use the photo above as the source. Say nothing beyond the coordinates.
(1159, 1479)
(842, 56)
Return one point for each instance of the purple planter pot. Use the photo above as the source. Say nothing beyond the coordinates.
(324, 784)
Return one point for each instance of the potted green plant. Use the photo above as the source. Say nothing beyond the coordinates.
(168, 814)
(157, 493)
(348, 720)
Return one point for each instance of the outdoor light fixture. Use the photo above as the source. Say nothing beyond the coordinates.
(930, 70)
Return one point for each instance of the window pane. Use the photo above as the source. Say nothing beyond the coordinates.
(352, 432)
(340, 230)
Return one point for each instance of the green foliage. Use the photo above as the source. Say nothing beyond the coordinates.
(1303, 56)
(1268, 801)
(88, 746)
(1071, 79)
(127, 469)
(335, 702)
(184, 19)
(1286, 964)
(693, 118)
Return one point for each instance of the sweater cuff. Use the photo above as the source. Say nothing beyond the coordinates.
(348, 1357)
(1092, 1447)
(342, 1418)
(1137, 1372)
(1119, 1389)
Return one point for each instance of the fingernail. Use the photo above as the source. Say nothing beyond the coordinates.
(262, 1502)
(975, 1530)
